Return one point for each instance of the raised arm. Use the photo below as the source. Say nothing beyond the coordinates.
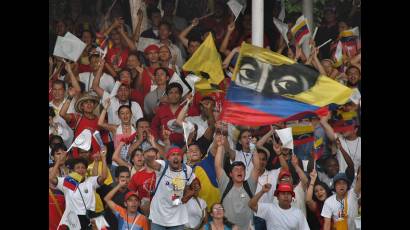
(328, 129)
(232, 153)
(137, 30)
(346, 157)
(108, 198)
(63, 111)
(150, 160)
(224, 46)
(227, 60)
(130, 43)
(104, 172)
(73, 79)
(265, 138)
(256, 165)
(101, 119)
(52, 177)
(117, 158)
(316, 62)
(299, 171)
(96, 81)
(309, 194)
(219, 140)
(183, 35)
(358, 186)
(277, 148)
(114, 25)
(152, 141)
(253, 203)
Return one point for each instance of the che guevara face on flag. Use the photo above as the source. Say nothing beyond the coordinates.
(269, 78)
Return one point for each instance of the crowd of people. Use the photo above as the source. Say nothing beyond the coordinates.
(146, 175)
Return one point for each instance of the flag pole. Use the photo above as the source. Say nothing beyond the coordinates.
(257, 23)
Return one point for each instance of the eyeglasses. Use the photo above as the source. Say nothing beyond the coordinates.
(218, 209)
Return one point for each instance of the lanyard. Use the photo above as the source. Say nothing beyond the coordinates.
(135, 220)
(246, 162)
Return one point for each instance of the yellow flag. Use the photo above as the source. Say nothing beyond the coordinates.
(206, 63)
(270, 73)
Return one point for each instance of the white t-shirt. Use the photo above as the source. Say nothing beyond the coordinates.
(74, 199)
(299, 200)
(246, 158)
(195, 212)
(282, 219)
(115, 105)
(271, 177)
(332, 207)
(162, 210)
(106, 81)
(354, 149)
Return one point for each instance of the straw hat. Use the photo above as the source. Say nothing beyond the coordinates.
(85, 97)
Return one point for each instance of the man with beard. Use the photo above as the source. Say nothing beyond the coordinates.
(281, 215)
(172, 178)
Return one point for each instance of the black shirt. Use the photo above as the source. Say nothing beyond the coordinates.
(325, 33)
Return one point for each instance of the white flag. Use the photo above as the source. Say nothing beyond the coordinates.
(100, 222)
(115, 89)
(176, 78)
(285, 136)
(69, 47)
(82, 141)
(235, 7)
(145, 42)
(283, 29)
(192, 79)
(281, 15)
(188, 127)
(98, 138)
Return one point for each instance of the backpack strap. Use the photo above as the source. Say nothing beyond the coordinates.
(159, 180)
(247, 189)
(230, 185)
(227, 189)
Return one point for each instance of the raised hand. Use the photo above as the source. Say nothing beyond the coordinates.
(122, 183)
(195, 22)
(294, 160)
(140, 14)
(277, 148)
(220, 141)
(313, 175)
(107, 103)
(266, 187)
(231, 26)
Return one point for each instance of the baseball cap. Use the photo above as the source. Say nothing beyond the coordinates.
(284, 187)
(340, 176)
(151, 47)
(237, 163)
(283, 173)
(129, 194)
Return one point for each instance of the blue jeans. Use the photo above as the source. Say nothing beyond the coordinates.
(160, 227)
(260, 223)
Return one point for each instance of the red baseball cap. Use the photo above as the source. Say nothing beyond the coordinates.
(174, 150)
(284, 187)
(132, 193)
(151, 47)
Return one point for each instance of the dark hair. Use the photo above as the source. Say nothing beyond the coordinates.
(327, 189)
(88, 31)
(225, 220)
(76, 161)
(58, 82)
(55, 137)
(237, 163)
(239, 146)
(142, 119)
(193, 143)
(353, 67)
(163, 69)
(151, 10)
(195, 38)
(120, 169)
(51, 112)
(174, 85)
(133, 153)
(59, 146)
(125, 69)
(123, 106)
(151, 149)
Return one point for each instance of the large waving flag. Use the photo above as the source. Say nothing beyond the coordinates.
(206, 63)
(300, 30)
(268, 88)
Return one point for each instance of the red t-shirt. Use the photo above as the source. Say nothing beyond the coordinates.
(117, 57)
(143, 182)
(84, 123)
(84, 68)
(161, 118)
(137, 96)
